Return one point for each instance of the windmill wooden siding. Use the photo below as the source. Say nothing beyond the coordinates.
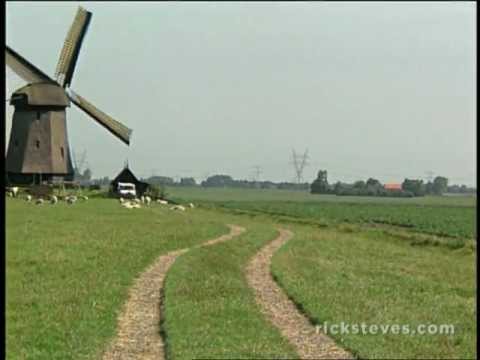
(38, 144)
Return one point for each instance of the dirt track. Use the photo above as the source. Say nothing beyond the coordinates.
(138, 332)
(283, 313)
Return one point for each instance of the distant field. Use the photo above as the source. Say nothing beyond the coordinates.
(229, 194)
(452, 216)
(437, 220)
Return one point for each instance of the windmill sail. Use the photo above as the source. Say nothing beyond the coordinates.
(71, 47)
(23, 68)
(112, 125)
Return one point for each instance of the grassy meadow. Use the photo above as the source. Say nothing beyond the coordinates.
(447, 216)
(447, 221)
(69, 269)
(220, 195)
(211, 312)
(369, 277)
(352, 259)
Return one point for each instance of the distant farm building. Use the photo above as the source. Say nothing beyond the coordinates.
(127, 176)
(393, 186)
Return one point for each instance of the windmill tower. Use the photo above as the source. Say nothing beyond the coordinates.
(38, 148)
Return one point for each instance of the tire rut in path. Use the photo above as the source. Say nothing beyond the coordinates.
(282, 312)
(138, 326)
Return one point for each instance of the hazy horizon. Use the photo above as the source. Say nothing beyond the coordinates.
(383, 90)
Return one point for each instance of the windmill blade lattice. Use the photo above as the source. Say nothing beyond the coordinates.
(71, 47)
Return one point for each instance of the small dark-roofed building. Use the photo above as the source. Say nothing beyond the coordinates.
(127, 176)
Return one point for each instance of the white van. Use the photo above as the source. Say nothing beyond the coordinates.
(126, 190)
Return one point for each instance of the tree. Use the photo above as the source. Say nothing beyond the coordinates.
(87, 174)
(416, 187)
(160, 180)
(371, 182)
(320, 184)
(218, 181)
(429, 188)
(188, 182)
(374, 187)
(440, 185)
(293, 186)
(453, 189)
(338, 187)
(268, 185)
(157, 191)
(360, 184)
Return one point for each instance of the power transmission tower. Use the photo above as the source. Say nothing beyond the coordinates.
(74, 161)
(257, 171)
(430, 174)
(299, 163)
(205, 176)
(80, 161)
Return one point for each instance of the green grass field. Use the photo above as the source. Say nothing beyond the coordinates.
(209, 195)
(449, 216)
(69, 269)
(217, 291)
(368, 277)
(450, 221)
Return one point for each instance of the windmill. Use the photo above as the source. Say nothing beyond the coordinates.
(38, 148)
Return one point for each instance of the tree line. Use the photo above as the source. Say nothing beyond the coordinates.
(225, 181)
(373, 187)
(370, 187)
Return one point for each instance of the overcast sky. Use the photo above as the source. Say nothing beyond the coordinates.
(371, 89)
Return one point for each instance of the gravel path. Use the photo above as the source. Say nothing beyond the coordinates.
(283, 313)
(138, 332)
